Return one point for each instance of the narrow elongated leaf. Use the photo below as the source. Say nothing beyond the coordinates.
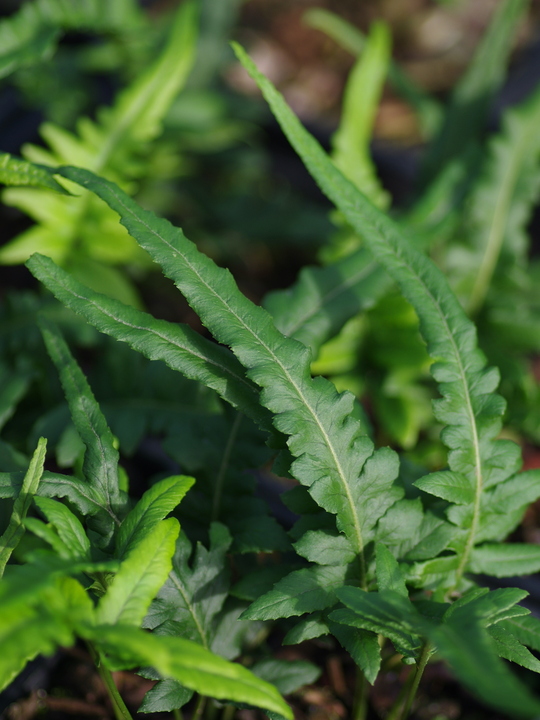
(15, 529)
(140, 576)
(85, 498)
(509, 648)
(506, 560)
(469, 407)
(155, 504)
(351, 39)
(67, 525)
(189, 663)
(351, 141)
(328, 442)
(302, 591)
(180, 347)
(526, 629)
(100, 465)
(14, 171)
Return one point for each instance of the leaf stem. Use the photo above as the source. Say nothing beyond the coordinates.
(177, 714)
(120, 710)
(359, 711)
(199, 708)
(220, 480)
(416, 677)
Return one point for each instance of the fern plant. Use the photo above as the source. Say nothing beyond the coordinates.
(369, 548)
(73, 230)
(470, 212)
(97, 580)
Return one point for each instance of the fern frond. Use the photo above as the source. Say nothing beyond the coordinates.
(75, 230)
(180, 347)
(353, 40)
(329, 445)
(470, 409)
(351, 141)
(502, 201)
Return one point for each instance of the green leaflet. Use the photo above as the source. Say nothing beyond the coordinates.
(177, 345)
(100, 465)
(15, 529)
(505, 560)
(350, 142)
(469, 408)
(509, 648)
(155, 504)
(165, 695)
(328, 442)
(140, 576)
(299, 592)
(193, 595)
(526, 629)
(464, 120)
(68, 527)
(351, 39)
(188, 663)
(14, 171)
(77, 230)
(88, 500)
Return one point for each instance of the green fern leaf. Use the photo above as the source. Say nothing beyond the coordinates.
(15, 529)
(351, 39)
(155, 504)
(177, 345)
(76, 230)
(302, 591)
(329, 444)
(351, 141)
(14, 171)
(469, 408)
(188, 663)
(100, 467)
